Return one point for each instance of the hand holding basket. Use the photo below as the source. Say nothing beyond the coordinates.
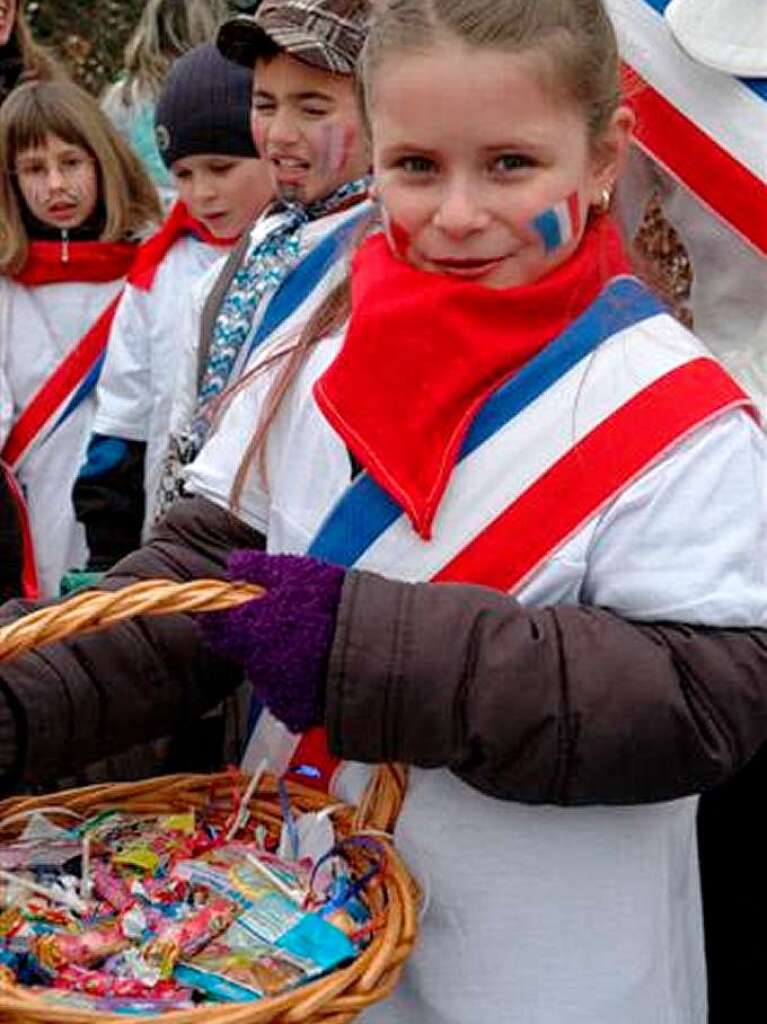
(335, 999)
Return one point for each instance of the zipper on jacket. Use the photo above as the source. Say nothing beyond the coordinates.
(65, 245)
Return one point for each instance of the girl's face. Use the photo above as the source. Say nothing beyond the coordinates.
(7, 20)
(224, 192)
(485, 171)
(58, 181)
(307, 126)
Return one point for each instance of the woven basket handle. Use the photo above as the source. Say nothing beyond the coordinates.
(93, 610)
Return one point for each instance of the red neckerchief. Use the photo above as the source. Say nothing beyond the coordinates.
(153, 251)
(57, 262)
(423, 351)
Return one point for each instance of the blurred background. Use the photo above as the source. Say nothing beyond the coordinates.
(87, 35)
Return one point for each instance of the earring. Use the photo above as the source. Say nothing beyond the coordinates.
(605, 198)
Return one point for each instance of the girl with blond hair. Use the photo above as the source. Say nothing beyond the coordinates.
(73, 203)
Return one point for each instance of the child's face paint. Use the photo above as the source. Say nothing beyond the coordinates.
(560, 223)
(334, 143)
(58, 182)
(224, 192)
(474, 152)
(306, 124)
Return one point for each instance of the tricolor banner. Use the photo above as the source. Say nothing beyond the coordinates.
(708, 129)
(566, 424)
(71, 382)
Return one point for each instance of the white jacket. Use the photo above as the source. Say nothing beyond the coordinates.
(135, 389)
(544, 915)
(41, 325)
(311, 234)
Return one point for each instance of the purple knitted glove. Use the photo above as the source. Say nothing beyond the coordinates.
(283, 639)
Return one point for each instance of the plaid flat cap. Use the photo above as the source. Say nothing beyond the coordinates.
(327, 34)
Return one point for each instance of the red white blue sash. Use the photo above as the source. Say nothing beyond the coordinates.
(548, 450)
(707, 128)
(62, 393)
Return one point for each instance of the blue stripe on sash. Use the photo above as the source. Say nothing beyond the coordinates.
(757, 85)
(292, 292)
(85, 387)
(303, 279)
(365, 510)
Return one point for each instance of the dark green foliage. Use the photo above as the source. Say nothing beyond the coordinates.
(87, 35)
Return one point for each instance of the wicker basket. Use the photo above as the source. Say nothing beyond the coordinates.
(335, 999)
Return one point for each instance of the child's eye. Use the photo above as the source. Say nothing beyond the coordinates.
(416, 164)
(315, 111)
(508, 162)
(263, 107)
(221, 168)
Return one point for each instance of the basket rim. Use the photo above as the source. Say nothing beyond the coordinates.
(374, 971)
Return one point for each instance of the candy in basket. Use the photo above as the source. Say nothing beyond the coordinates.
(221, 898)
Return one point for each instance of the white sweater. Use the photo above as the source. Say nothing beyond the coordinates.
(39, 327)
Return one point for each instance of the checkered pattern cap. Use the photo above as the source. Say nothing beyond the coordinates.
(327, 34)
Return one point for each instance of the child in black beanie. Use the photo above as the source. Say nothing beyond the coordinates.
(203, 133)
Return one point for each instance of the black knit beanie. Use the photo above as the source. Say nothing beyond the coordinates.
(204, 107)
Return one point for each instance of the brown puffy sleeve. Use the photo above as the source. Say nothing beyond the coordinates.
(71, 703)
(569, 705)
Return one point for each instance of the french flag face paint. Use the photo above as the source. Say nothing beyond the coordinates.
(559, 224)
(333, 146)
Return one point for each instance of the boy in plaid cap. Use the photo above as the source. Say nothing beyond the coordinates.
(307, 125)
(305, 114)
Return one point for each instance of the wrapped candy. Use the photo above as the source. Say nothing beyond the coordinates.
(183, 938)
(58, 949)
(108, 1004)
(99, 983)
(158, 912)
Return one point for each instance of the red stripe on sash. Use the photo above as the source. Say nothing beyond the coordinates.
(593, 473)
(30, 587)
(58, 387)
(570, 492)
(720, 181)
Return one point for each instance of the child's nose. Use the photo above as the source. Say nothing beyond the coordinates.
(459, 213)
(282, 129)
(56, 177)
(203, 186)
